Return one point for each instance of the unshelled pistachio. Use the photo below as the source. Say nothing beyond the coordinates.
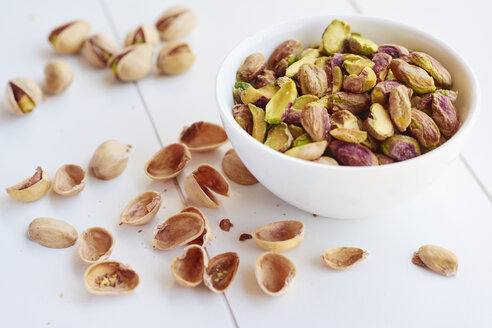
(394, 50)
(361, 45)
(378, 123)
(98, 49)
(133, 63)
(316, 122)
(57, 76)
(360, 83)
(22, 95)
(142, 34)
(312, 80)
(444, 114)
(433, 67)
(289, 48)
(68, 38)
(279, 137)
(176, 22)
(175, 58)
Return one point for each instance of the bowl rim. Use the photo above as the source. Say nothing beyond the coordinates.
(474, 108)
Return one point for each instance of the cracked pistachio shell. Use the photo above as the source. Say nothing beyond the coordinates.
(341, 258)
(378, 123)
(95, 244)
(394, 50)
(68, 38)
(400, 147)
(178, 230)
(168, 162)
(142, 34)
(235, 169)
(279, 137)
(361, 83)
(437, 259)
(381, 92)
(279, 103)
(400, 108)
(176, 22)
(243, 117)
(361, 45)
(203, 136)
(433, 67)
(354, 64)
(207, 235)
(424, 129)
(204, 180)
(109, 160)
(381, 65)
(70, 179)
(413, 76)
(175, 58)
(141, 209)
(313, 80)
(309, 152)
(308, 58)
(344, 119)
(275, 273)
(110, 278)
(334, 36)
(188, 269)
(22, 95)
(98, 49)
(349, 135)
(52, 233)
(32, 188)
(279, 236)
(303, 139)
(444, 114)
(316, 121)
(57, 76)
(352, 154)
(133, 63)
(292, 48)
(252, 66)
(221, 271)
(326, 160)
(259, 124)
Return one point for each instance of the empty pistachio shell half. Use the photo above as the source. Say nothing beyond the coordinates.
(221, 271)
(176, 22)
(110, 278)
(175, 58)
(70, 179)
(133, 63)
(178, 230)
(188, 269)
(109, 160)
(52, 233)
(141, 209)
(437, 259)
(279, 236)
(98, 49)
(274, 273)
(95, 244)
(68, 38)
(142, 34)
(57, 76)
(341, 258)
(168, 162)
(22, 95)
(203, 136)
(200, 183)
(206, 237)
(235, 169)
(32, 188)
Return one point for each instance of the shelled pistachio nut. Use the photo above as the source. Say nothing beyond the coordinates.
(274, 273)
(202, 182)
(279, 236)
(206, 237)
(57, 76)
(110, 278)
(278, 104)
(344, 119)
(424, 129)
(175, 58)
(32, 188)
(312, 80)
(400, 108)
(252, 66)
(243, 117)
(178, 230)
(394, 50)
(265, 78)
(142, 34)
(168, 162)
(433, 67)
(334, 36)
(381, 65)
(220, 271)
(352, 154)
(383, 159)
(98, 49)
(444, 114)
(355, 103)
(188, 269)
(289, 48)
(68, 38)
(235, 169)
(310, 151)
(203, 136)
(355, 64)
(341, 258)
(141, 209)
(259, 124)
(22, 95)
(378, 124)
(413, 76)
(360, 83)
(176, 22)
(95, 244)
(361, 45)
(52, 233)
(437, 259)
(401, 147)
(70, 179)
(349, 135)
(133, 63)
(109, 160)
(326, 160)
(381, 92)
(279, 137)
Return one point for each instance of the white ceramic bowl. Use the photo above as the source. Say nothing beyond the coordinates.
(341, 191)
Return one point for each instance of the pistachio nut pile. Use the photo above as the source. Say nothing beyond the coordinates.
(346, 100)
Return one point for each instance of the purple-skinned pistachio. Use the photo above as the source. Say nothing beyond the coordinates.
(291, 115)
(400, 147)
(265, 78)
(243, 117)
(353, 102)
(312, 80)
(444, 114)
(381, 65)
(351, 154)
(252, 66)
(383, 159)
(433, 67)
(400, 108)
(451, 94)
(337, 60)
(316, 122)
(394, 50)
(361, 83)
(287, 48)
(413, 76)
(424, 129)
(380, 93)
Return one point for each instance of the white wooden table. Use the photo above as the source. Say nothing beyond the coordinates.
(42, 287)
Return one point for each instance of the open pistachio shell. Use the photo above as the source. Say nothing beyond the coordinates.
(188, 268)
(68, 38)
(206, 237)
(110, 278)
(341, 258)
(95, 244)
(203, 136)
(32, 188)
(141, 209)
(142, 34)
(98, 49)
(235, 169)
(200, 183)
(176, 22)
(221, 271)
(178, 230)
(279, 236)
(109, 160)
(70, 179)
(22, 95)
(168, 162)
(274, 273)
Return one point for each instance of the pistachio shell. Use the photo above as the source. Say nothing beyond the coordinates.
(334, 36)
(203, 136)
(70, 180)
(98, 49)
(141, 209)
(175, 58)
(32, 188)
(109, 160)
(341, 258)
(188, 269)
(437, 259)
(279, 137)
(168, 162)
(279, 236)
(206, 237)
(110, 278)
(176, 22)
(221, 271)
(57, 76)
(95, 244)
(133, 63)
(309, 152)
(22, 95)
(68, 38)
(142, 34)
(52, 233)
(235, 169)
(277, 106)
(199, 184)
(274, 273)
(178, 230)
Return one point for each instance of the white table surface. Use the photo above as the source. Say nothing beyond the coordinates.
(42, 287)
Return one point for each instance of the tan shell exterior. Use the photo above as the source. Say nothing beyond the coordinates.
(52, 233)
(203, 136)
(150, 34)
(183, 23)
(70, 40)
(279, 236)
(188, 268)
(102, 41)
(32, 193)
(171, 63)
(109, 160)
(207, 235)
(57, 76)
(221, 271)
(129, 277)
(178, 230)
(70, 179)
(341, 258)
(235, 169)
(274, 273)
(137, 211)
(168, 162)
(136, 64)
(95, 244)
(29, 87)
(439, 259)
(205, 177)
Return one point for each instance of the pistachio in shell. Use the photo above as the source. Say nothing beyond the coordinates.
(220, 272)
(109, 160)
(413, 76)
(279, 236)
(352, 154)
(252, 66)
(22, 95)
(309, 151)
(334, 36)
(70, 179)
(444, 114)
(178, 230)
(378, 123)
(175, 58)
(188, 269)
(168, 162)
(401, 147)
(274, 273)
(206, 237)
(433, 67)
(95, 244)
(133, 63)
(110, 278)
(52, 233)
(341, 258)
(98, 49)
(32, 188)
(279, 137)
(57, 76)
(142, 34)
(176, 22)
(141, 209)
(200, 183)
(424, 129)
(203, 136)
(235, 169)
(400, 108)
(68, 38)
(436, 258)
